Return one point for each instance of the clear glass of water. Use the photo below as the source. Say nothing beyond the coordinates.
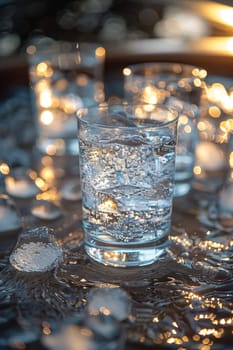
(65, 76)
(179, 86)
(127, 168)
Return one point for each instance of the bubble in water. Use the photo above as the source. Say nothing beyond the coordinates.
(9, 218)
(36, 251)
(113, 301)
(46, 210)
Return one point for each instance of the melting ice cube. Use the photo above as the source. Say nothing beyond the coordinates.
(113, 301)
(36, 251)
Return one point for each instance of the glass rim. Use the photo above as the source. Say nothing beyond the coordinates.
(161, 124)
(66, 49)
(161, 64)
(67, 45)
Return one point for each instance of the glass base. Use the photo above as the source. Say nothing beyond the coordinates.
(130, 255)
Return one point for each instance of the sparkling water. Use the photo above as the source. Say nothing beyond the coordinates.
(127, 186)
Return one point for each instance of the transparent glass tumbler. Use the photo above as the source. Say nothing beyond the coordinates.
(127, 169)
(65, 76)
(179, 86)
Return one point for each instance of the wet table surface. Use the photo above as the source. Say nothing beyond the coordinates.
(184, 301)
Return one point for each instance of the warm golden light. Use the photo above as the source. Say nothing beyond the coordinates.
(45, 99)
(201, 126)
(115, 256)
(197, 170)
(150, 94)
(229, 45)
(44, 70)
(127, 71)
(231, 159)
(46, 117)
(4, 169)
(50, 195)
(56, 148)
(214, 12)
(48, 173)
(41, 184)
(214, 112)
(226, 16)
(109, 204)
(197, 82)
(187, 129)
(100, 52)
(227, 125)
(42, 85)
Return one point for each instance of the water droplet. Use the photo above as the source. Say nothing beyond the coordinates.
(45, 210)
(36, 251)
(9, 218)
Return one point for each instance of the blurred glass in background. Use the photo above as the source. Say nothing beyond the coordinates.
(21, 21)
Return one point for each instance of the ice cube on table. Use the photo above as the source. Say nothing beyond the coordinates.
(36, 251)
(113, 301)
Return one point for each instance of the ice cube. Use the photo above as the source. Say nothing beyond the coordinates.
(112, 301)
(36, 251)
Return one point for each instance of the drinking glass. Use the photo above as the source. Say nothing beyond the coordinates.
(179, 86)
(64, 77)
(127, 167)
(217, 212)
(215, 127)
